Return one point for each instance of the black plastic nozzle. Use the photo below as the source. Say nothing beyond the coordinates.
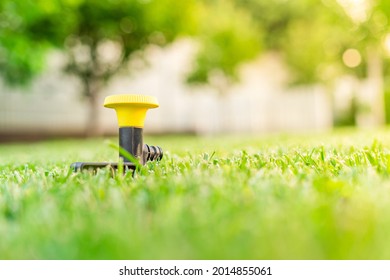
(151, 153)
(131, 140)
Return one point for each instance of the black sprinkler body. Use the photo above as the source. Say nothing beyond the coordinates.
(131, 111)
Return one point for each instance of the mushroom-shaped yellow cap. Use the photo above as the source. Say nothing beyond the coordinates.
(131, 108)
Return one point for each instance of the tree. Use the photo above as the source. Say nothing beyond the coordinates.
(306, 33)
(21, 56)
(370, 27)
(310, 35)
(228, 36)
(86, 29)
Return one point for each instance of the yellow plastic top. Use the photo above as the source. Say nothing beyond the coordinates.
(131, 108)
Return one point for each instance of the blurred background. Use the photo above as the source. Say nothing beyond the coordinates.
(216, 66)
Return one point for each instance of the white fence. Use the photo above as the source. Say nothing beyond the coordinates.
(53, 105)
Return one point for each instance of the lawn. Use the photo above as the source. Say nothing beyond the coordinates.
(318, 196)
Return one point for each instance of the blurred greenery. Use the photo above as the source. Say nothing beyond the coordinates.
(312, 37)
(224, 42)
(303, 32)
(98, 37)
(85, 25)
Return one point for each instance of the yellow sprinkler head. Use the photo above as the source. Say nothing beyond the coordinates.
(131, 111)
(131, 108)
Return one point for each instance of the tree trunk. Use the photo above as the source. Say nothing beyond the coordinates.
(92, 124)
(376, 83)
(92, 128)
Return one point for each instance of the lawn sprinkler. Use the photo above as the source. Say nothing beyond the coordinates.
(131, 111)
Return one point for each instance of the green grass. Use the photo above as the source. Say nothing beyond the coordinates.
(324, 196)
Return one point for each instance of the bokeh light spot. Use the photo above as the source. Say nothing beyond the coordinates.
(352, 58)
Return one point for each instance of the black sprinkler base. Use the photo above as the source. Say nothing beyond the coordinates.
(93, 166)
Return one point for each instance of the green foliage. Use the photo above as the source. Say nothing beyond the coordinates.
(21, 56)
(313, 43)
(99, 38)
(310, 35)
(209, 198)
(224, 43)
(84, 26)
